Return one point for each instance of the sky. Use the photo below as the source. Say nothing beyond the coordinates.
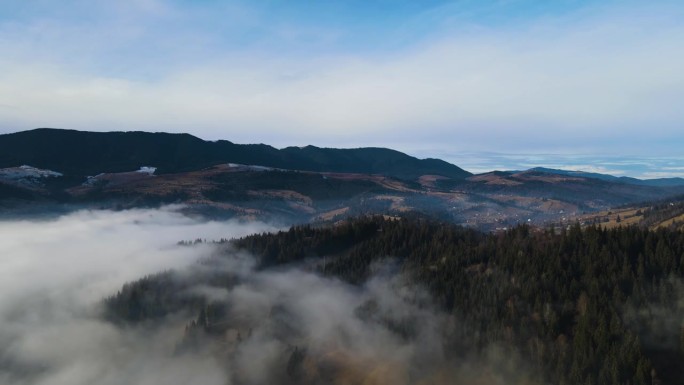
(473, 82)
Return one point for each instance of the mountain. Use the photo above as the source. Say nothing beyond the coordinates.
(81, 153)
(658, 182)
(583, 191)
(47, 170)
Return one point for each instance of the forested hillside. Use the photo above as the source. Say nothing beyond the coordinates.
(82, 153)
(582, 306)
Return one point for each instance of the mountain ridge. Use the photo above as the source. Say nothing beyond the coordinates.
(656, 182)
(86, 153)
(48, 170)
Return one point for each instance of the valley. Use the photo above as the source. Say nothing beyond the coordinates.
(491, 201)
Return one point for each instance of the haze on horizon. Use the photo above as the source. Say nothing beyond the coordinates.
(597, 82)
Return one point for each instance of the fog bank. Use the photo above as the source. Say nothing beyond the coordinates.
(54, 273)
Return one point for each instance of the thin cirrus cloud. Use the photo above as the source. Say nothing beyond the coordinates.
(599, 78)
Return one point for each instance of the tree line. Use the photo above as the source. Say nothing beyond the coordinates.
(582, 305)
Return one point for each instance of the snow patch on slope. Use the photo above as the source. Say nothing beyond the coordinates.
(147, 170)
(26, 175)
(250, 167)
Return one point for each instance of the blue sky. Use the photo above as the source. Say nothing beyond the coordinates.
(432, 78)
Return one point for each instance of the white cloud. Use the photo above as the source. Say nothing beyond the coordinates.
(607, 80)
(77, 248)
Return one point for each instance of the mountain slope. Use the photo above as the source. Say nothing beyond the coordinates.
(90, 153)
(575, 305)
(294, 184)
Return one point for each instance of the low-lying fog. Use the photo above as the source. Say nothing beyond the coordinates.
(55, 273)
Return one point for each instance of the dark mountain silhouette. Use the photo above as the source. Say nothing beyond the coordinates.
(89, 153)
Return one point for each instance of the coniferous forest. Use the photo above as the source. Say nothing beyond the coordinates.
(577, 305)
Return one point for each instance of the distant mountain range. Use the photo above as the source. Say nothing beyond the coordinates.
(79, 153)
(659, 182)
(45, 170)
